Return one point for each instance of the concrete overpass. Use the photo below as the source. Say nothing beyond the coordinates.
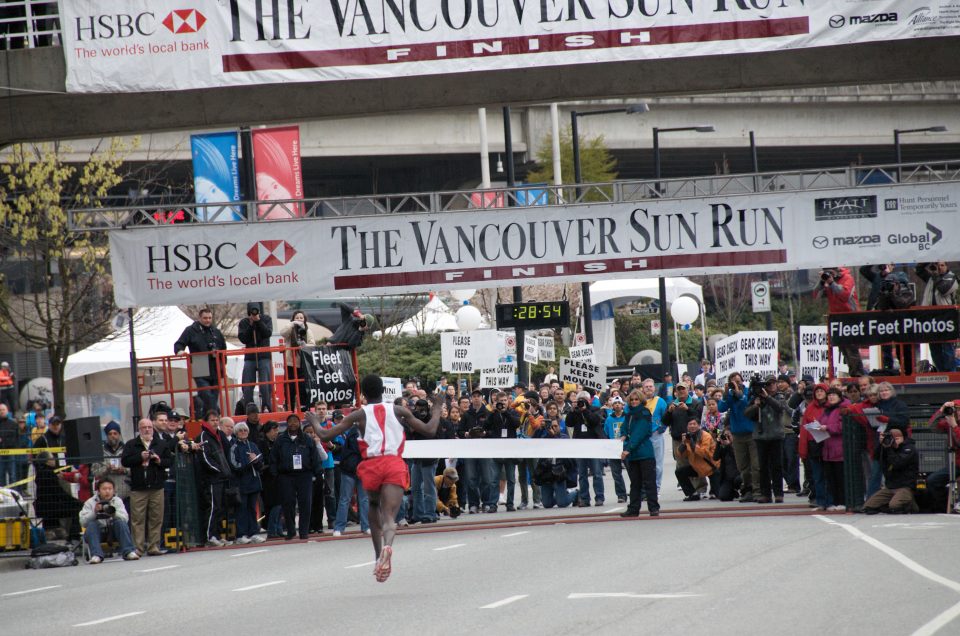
(34, 106)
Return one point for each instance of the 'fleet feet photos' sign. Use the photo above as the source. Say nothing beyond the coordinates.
(398, 253)
(150, 45)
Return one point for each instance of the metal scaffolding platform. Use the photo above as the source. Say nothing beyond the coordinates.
(528, 195)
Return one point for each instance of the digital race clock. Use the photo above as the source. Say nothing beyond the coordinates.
(534, 315)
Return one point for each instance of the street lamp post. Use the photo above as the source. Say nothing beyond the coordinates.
(578, 179)
(908, 131)
(664, 336)
(755, 163)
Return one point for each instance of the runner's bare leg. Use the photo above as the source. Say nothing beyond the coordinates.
(391, 497)
(376, 521)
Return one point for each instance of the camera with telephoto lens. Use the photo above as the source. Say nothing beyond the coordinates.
(886, 441)
(949, 410)
(106, 511)
(421, 409)
(581, 405)
(756, 387)
(932, 268)
(454, 512)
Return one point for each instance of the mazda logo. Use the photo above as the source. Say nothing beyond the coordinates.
(837, 21)
(820, 242)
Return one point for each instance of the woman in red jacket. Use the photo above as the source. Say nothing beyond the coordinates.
(811, 450)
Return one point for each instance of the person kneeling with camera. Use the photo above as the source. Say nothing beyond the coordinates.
(697, 448)
(102, 515)
(900, 462)
(447, 502)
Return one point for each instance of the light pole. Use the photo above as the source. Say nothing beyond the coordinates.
(908, 131)
(768, 316)
(578, 179)
(664, 337)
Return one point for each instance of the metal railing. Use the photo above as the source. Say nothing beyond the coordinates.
(100, 219)
(29, 24)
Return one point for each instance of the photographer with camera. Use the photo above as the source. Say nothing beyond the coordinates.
(725, 485)
(945, 420)
(503, 423)
(102, 516)
(585, 423)
(423, 492)
(681, 410)
(148, 459)
(768, 409)
(838, 285)
(254, 331)
(296, 334)
(532, 414)
(940, 289)
(875, 275)
(481, 487)
(353, 326)
(735, 401)
(200, 337)
(901, 463)
(697, 447)
(896, 294)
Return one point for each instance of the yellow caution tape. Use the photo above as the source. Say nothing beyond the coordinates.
(24, 482)
(30, 451)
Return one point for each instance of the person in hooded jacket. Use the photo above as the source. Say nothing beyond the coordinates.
(832, 420)
(247, 462)
(639, 455)
(735, 401)
(772, 416)
(839, 287)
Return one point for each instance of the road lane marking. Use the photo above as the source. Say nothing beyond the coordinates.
(258, 586)
(610, 512)
(582, 595)
(165, 567)
(100, 621)
(505, 601)
(36, 589)
(449, 547)
(360, 565)
(513, 534)
(897, 556)
(940, 620)
(243, 554)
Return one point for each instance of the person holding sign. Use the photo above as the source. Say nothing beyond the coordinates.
(382, 471)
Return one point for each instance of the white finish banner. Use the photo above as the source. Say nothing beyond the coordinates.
(510, 448)
(747, 353)
(397, 253)
(148, 45)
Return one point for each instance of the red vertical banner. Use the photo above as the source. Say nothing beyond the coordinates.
(276, 160)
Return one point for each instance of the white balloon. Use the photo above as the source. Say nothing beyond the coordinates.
(685, 310)
(463, 295)
(468, 318)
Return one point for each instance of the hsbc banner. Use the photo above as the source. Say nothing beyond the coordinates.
(397, 253)
(276, 160)
(216, 175)
(148, 45)
(329, 375)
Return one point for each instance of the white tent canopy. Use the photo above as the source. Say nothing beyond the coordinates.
(627, 290)
(624, 291)
(435, 317)
(97, 379)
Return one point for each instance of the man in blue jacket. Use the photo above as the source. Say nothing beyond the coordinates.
(735, 401)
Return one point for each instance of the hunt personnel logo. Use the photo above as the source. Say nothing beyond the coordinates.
(184, 21)
(271, 253)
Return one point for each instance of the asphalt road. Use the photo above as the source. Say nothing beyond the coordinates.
(799, 574)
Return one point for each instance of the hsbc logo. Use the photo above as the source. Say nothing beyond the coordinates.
(271, 253)
(184, 21)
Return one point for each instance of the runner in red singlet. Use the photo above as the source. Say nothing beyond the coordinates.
(383, 472)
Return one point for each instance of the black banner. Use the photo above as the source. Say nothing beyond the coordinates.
(329, 375)
(930, 324)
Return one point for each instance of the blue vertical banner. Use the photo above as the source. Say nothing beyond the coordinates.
(216, 175)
